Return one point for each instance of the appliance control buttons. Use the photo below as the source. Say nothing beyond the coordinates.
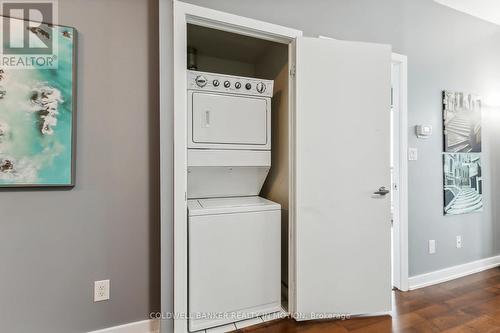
(227, 84)
(216, 83)
(237, 85)
(248, 86)
(261, 87)
(201, 81)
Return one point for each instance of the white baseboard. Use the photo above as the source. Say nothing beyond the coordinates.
(145, 326)
(451, 273)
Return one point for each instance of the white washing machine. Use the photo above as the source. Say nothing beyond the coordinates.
(234, 235)
(234, 260)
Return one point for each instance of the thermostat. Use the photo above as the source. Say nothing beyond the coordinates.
(423, 131)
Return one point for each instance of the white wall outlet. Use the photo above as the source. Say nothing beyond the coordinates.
(459, 242)
(101, 290)
(412, 154)
(432, 246)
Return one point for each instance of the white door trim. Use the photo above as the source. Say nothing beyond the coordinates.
(401, 268)
(183, 14)
(166, 160)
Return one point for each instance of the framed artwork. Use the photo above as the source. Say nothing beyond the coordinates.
(462, 122)
(37, 112)
(463, 183)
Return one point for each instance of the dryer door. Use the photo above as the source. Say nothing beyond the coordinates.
(229, 122)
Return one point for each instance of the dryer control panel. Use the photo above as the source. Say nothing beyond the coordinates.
(229, 84)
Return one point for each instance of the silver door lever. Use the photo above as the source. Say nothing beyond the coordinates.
(382, 191)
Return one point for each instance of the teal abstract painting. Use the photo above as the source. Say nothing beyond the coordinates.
(37, 112)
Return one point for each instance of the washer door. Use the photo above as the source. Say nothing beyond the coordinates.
(222, 121)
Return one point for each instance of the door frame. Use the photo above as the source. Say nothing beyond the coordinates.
(400, 262)
(184, 14)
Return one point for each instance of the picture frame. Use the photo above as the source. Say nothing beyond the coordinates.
(38, 119)
(461, 122)
(462, 183)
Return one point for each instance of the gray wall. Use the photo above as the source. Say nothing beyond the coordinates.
(446, 49)
(54, 244)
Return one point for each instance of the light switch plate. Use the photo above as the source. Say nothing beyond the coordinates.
(412, 154)
(432, 246)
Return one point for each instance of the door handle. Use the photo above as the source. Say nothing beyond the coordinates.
(382, 191)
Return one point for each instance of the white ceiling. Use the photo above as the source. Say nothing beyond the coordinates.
(488, 10)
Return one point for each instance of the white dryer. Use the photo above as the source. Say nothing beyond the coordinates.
(228, 112)
(229, 134)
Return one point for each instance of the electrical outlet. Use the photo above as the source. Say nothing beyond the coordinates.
(412, 154)
(459, 242)
(101, 290)
(432, 246)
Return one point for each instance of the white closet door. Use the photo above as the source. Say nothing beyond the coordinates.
(343, 229)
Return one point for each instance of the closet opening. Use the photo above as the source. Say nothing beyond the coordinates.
(238, 175)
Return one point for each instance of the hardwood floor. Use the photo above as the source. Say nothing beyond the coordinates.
(467, 305)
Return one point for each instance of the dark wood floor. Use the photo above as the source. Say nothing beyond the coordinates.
(470, 304)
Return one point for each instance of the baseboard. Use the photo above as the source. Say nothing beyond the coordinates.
(145, 326)
(451, 273)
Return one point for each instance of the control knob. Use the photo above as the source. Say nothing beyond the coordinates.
(237, 85)
(201, 81)
(216, 83)
(248, 86)
(261, 87)
(227, 84)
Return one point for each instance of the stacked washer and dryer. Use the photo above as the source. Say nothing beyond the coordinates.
(234, 235)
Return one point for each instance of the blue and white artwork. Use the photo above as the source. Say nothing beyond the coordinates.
(37, 117)
(463, 183)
